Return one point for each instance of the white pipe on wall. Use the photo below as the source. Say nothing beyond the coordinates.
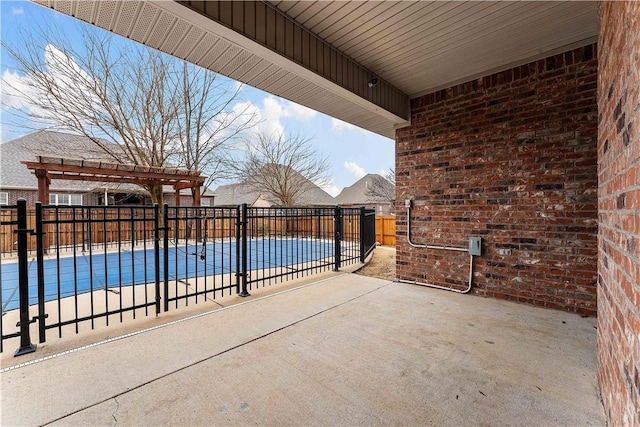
(445, 248)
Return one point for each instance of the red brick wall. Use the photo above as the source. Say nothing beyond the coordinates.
(511, 158)
(186, 201)
(619, 211)
(31, 196)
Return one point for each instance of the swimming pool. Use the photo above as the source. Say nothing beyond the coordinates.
(66, 276)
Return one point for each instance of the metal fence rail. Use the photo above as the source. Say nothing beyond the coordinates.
(121, 224)
(8, 243)
(101, 260)
(199, 254)
(350, 236)
(367, 232)
(72, 268)
(287, 243)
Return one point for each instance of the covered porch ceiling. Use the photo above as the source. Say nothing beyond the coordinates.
(357, 61)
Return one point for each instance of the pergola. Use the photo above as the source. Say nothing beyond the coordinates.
(49, 168)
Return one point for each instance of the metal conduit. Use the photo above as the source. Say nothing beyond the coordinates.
(445, 248)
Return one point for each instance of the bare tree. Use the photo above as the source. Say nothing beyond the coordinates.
(150, 108)
(383, 189)
(284, 167)
(121, 97)
(209, 120)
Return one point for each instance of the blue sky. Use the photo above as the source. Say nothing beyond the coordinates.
(352, 152)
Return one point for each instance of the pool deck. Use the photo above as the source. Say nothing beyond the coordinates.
(344, 350)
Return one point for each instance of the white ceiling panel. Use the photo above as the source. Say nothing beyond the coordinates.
(126, 17)
(252, 67)
(146, 19)
(108, 10)
(161, 30)
(423, 46)
(84, 11)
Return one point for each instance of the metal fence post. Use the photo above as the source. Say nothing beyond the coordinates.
(318, 223)
(165, 227)
(243, 252)
(156, 253)
(23, 281)
(337, 219)
(362, 235)
(238, 244)
(40, 267)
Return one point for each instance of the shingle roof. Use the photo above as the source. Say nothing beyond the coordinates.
(15, 175)
(236, 194)
(358, 192)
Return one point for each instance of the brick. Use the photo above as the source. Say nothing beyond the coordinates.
(500, 157)
(618, 212)
(88, 199)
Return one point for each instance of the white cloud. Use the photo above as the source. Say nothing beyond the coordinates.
(65, 69)
(17, 11)
(357, 170)
(338, 126)
(17, 91)
(226, 123)
(331, 188)
(266, 117)
(299, 112)
(16, 111)
(276, 109)
(273, 110)
(12, 85)
(271, 113)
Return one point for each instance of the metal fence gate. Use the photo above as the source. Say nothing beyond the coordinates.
(67, 268)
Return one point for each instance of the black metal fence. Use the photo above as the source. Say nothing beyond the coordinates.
(70, 268)
(367, 232)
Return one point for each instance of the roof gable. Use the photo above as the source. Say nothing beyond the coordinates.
(243, 192)
(359, 192)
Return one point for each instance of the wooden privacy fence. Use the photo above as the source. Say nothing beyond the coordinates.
(79, 226)
(386, 230)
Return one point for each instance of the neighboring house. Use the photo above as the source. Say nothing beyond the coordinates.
(237, 194)
(371, 191)
(16, 181)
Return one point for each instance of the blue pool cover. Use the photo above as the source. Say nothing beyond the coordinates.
(66, 276)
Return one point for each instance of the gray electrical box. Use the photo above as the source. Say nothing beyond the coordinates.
(475, 246)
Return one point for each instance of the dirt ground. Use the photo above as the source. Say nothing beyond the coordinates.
(382, 265)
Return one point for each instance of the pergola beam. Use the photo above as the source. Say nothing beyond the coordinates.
(43, 185)
(49, 168)
(61, 168)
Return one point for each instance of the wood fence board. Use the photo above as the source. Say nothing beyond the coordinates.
(386, 230)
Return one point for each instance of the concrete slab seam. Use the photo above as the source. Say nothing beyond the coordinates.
(164, 325)
(220, 353)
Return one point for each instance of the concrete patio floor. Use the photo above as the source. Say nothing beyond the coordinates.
(346, 350)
